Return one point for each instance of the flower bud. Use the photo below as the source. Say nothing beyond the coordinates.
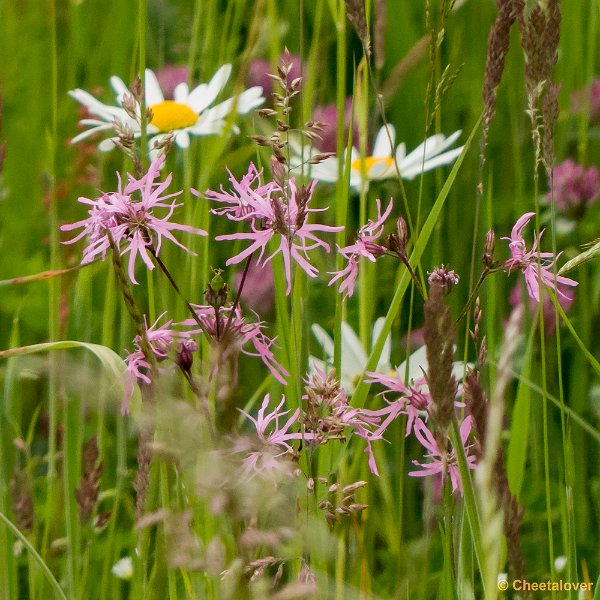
(217, 290)
(185, 356)
(397, 241)
(488, 251)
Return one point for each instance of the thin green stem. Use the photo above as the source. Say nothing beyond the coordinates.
(37, 558)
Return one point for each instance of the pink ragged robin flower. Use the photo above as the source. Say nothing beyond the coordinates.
(275, 213)
(163, 340)
(273, 439)
(131, 222)
(414, 401)
(441, 461)
(328, 413)
(364, 246)
(535, 265)
(230, 333)
(238, 204)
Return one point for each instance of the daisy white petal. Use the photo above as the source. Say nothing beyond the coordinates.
(190, 113)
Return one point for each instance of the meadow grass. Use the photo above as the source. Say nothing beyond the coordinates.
(163, 486)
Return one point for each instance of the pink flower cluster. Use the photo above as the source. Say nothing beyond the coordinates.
(272, 212)
(336, 415)
(162, 340)
(131, 223)
(274, 439)
(414, 401)
(230, 333)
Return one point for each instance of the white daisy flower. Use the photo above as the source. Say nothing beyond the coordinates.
(417, 365)
(189, 113)
(123, 569)
(354, 356)
(432, 153)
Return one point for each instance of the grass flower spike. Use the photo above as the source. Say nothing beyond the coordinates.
(527, 261)
(432, 153)
(131, 223)
(189, 113)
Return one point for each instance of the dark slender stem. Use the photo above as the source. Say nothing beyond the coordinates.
(173, 283)
(238, 294)
(405, 261)
(486, 271)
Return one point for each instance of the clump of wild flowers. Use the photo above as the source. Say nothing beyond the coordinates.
(229, 332)
(273, 437)
(127, 219)
(368, 245)
(534, 264)
(163, 341)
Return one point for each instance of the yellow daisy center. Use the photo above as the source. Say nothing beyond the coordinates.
(371, 161)
(170, 115)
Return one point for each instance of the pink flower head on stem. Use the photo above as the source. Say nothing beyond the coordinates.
(364, 246)
(230, 332)
(441, 461)
(535, 265)
(275, 213)
(414, 401)
(131, 223)
(238, 204)
(162, 340)
(274, 439)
